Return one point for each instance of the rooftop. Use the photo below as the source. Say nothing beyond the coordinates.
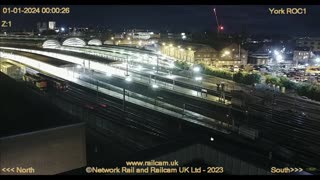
(44, 59)
(302, 49)
(22, 112)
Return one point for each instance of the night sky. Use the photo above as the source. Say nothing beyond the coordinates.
(188, 18)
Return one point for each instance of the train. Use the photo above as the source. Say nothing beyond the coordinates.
(43, 82)
(55, 82)
(35, 81)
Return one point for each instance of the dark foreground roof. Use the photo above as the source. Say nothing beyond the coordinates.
(22, 111)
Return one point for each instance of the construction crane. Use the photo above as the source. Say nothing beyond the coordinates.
(219, 27)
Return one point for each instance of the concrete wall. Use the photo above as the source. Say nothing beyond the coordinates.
(47, 152)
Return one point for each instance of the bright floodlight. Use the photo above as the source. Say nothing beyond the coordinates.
(227, 52)
(211, 139)
(307, 64)
(108, 74)
(317, 59)
(170, 76)
(163, 44)
(196, 69)
(62, 29)
(139, 68)
(128, 79)
(128, 38)
(276, 52)
(155, 86)
(279, 58)
(198, 78)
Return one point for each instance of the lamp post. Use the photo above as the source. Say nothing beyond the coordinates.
(195, 69)
(155, 87)
(97, 82)
(78, 67)
(128, 80)
(127, 66)
(157, 64)
(198, 79)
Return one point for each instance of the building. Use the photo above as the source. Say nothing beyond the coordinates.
(176, 36)
(206, 55)
(11, 70)
(232, 55)
(181, 52)
(302, 55)
(40, 139)
(42, 26)
(52, 25)
(200, 53)
(312, 43)
(131, 42)
(141, 34)
(259, 57)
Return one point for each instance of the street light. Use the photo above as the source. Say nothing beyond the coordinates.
(198, 78)
(108, 74)
(127, 80)
(196, 69)
(139, 68)
(155, 86)
(127, 66)
(157, 64)
(171, 65)
(171, 77)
